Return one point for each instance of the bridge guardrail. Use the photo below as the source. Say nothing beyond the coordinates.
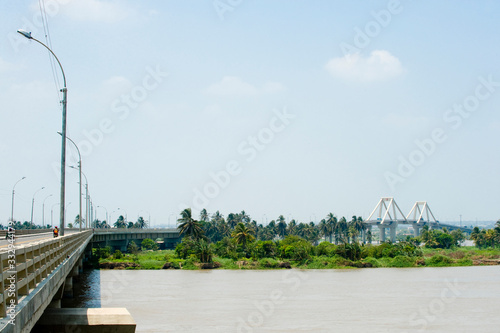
(24, 267)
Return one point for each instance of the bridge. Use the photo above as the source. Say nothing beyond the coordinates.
(37, 271)
(388, 215)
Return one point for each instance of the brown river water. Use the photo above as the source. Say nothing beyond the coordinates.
(451, 299)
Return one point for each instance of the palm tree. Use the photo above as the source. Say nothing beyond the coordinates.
(323, 228)
(120, 222)
(188, 226)
(291, 227)
(244, 217)
(231, 220)
(281, 227)
(342, 233)
(141, 223)
(331, 220)
(204, 215)
(243, 235)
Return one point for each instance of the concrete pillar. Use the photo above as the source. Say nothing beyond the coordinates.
(56, 300)
(68, 287)
(393, 232)
(382, 233)
(80, 266)
(363, 235)
(369, 230)
(416, 231)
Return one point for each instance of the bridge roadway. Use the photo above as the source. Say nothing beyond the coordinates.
(38, 270)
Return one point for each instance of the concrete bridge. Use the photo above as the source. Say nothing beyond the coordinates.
(37, 274)
(388, 215)
(119, 239)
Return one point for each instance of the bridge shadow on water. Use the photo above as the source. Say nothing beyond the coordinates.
(86, 290)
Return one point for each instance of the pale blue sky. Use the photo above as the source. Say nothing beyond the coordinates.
(355, 117)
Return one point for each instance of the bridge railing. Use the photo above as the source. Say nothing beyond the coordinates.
(22, 268)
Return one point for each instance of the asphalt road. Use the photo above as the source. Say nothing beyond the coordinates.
(26, 240)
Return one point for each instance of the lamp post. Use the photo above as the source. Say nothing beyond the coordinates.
(64, 90)
(12, 212)
(106, 212)
(149, 218)
(80, 169)
(33, 203)
(125, 213)
(86, 193)
(43, 209)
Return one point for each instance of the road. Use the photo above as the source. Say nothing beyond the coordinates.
(25, 240)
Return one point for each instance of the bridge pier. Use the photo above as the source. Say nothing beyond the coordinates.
(416, 231)
(382, 233)
(392, 229)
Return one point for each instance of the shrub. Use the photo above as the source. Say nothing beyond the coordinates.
(349, 251)
(101, 252)
(295, 248)
(403, 261)
(118, 254)
(325, 249)
(439, 260)
(268, 263)
(149, 244)
(132, 248)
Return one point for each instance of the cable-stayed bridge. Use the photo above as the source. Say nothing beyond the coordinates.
(388, 215)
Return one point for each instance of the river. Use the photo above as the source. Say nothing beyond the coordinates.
(458, 299)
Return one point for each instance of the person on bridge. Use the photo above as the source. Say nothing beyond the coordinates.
(56, 232)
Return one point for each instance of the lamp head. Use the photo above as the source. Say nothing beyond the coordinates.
(25, 33)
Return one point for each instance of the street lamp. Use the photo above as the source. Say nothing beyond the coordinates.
(33, 203)
(80, 169)
(149, 218)
(86, 194)
(64, 90)
(43, 209)
(12, 212)
(106, 213)
(124, 211)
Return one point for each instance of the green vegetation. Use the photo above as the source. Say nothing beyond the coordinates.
(240, 243)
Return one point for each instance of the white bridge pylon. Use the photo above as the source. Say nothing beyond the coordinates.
(421, 213)
(390, 215)
(388, 212)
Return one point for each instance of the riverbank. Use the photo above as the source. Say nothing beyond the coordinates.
(167, 259)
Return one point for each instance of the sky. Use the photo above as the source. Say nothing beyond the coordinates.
(293, 108)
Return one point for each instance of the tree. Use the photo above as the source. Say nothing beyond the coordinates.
(281, 227)
(120, 222)
(204, 251)
(141, 223)
(331, 220)
(231, 220)
(149, 244)
(132, 248)
(243, 235)
(188, 226)
(204, 215)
